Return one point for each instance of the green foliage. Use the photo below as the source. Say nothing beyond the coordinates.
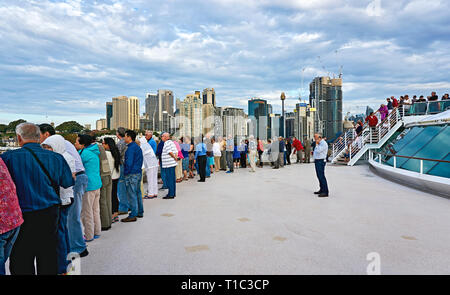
(3, 128)
(12, 125)
(72, 137)
(69, 127)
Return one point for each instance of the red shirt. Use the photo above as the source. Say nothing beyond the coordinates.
(373, 121)
(395, 103)
(10, 213)
(297, 145)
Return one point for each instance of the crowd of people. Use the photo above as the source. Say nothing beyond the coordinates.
(372, 120)
(56, 197)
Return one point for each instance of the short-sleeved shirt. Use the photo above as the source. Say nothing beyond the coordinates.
(11, 215)
(167, 160)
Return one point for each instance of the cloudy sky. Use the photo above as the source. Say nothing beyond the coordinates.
(62, 60)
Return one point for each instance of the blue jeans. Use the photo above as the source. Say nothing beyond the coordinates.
(163, 176)
(133, 184)
(63, 240)
(208, 168)
(170, 181)
(74, 227)
(320, 172)
(6, 243)
(122, 192)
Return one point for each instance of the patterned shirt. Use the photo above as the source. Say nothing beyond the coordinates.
(11, 215)
(167, 160)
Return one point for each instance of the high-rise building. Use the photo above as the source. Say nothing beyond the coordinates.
(151, 108)
(234, 123)
(258, 115)
(166, 101)
(190, 116)
(109, 114)
(208, 113)
(120, 112)
(275, 125)
(133, 113)
(304, 121)
(125, 112)
(100, 124)
(209, 96)
(157, 106)
(325, 95)
(290, 123)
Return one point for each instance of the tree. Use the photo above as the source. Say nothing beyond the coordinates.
(72, 137)
(12, 125)
(69, 127)
(3, 128)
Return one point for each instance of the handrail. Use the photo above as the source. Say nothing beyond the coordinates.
(414, 158)
(364, 126)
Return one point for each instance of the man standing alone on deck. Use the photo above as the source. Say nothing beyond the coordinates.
(320, 155)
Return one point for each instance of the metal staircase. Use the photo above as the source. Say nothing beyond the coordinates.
(370, 138)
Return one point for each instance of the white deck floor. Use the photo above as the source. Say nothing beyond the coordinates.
(270, 222)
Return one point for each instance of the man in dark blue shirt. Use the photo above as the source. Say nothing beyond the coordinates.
(133, 173)
(38, 195)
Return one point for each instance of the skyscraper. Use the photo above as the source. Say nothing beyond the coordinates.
(109, 114)
(209, 96)
(234, 122)
(133, 113)
(165, 101)
(303, 121)
(125, 112)
(208, 114)
(325, 94)
(190, 116)
(151, 108)
(120, 112)
(159, 108)
(258, 113)
(290, 123)
(100, 124)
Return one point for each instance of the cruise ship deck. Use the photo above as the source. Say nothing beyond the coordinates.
(270, 222)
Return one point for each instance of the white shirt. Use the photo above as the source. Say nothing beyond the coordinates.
(70, 148)
(115, 174)
(167, 160)
(321, 150)
(216, 150)
(150, 160)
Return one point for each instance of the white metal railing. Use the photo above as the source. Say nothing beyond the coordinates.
(375, 155)
(352, 143)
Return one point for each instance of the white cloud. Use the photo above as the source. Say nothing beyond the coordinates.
(72, 50)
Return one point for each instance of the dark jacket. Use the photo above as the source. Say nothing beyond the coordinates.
(133, 159)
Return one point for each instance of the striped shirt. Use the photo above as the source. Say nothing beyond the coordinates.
(167, 160)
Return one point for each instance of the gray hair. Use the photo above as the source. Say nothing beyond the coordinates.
(149, 132)
(121, 131)
(28, 131)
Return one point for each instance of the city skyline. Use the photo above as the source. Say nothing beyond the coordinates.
(74, 52)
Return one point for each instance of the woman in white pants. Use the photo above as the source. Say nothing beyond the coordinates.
(150, 164)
